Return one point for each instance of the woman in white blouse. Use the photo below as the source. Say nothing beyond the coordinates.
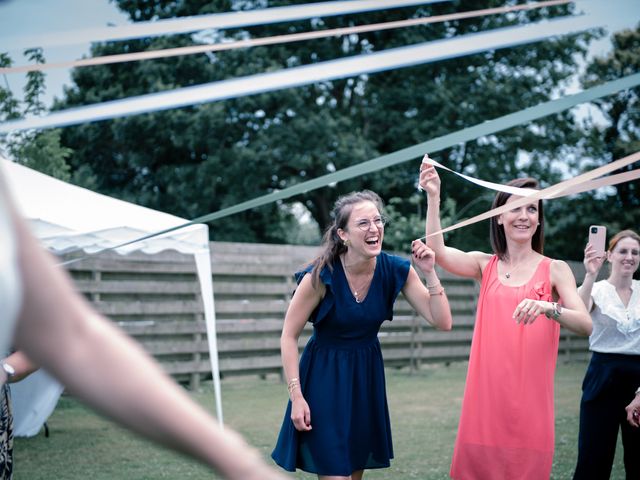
(613, 374)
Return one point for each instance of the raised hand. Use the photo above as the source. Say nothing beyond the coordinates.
(592, 260)
(423, 257)
(429, 179)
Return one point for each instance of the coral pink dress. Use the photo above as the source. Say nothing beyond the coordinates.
(506, 429)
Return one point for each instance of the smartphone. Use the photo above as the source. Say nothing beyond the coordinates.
(598, 238)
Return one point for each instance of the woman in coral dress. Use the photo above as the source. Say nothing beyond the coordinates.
(506, 429)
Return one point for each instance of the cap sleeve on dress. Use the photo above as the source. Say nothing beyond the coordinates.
(326, 304)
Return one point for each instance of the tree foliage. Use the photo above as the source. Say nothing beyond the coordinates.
(610, 132)
(42, 150)
(195, 160)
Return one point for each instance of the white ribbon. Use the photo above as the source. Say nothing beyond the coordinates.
(224, 20)
(523, 192)
(276, 39)
(323, 71)
(561, 189)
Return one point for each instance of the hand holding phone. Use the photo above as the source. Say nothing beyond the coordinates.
(598, 239)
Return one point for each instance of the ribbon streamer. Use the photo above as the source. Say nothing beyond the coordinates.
(558, 190)
(603, 182)
(224, 20)
(276, 39)
(440, 143)
(523, 192)
(293, 77)
(436, 144)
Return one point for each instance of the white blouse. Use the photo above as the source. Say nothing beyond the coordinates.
(10, 280)
(616, 328)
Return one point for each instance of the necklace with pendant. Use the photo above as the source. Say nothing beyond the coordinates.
(360, 293)
(512, 270)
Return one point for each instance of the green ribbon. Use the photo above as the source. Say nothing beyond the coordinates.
(440, 143)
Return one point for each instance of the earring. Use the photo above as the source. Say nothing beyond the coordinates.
(346, 242)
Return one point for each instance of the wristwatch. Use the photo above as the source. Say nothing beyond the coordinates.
(9, 370)
(555, 312)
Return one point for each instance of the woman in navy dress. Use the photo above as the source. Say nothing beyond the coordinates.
(337, 421)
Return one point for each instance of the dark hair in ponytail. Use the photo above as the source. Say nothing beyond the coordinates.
(332, 244)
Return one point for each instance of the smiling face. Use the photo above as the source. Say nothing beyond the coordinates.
(364, 230)
(625, 257)
(520, 223)
(498, 234)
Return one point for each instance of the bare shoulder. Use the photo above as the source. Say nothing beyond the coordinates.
(561, 271)
(560, 266)
(481, 258)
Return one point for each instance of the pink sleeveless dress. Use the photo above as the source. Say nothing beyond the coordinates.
(506, 429)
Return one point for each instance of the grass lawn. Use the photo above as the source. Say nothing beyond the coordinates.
(424, 413)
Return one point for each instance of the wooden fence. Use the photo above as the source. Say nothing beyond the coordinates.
(156, 299)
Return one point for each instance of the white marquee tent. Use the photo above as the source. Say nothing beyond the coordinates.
(66, 218)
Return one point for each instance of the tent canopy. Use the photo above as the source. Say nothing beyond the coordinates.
(66, 218)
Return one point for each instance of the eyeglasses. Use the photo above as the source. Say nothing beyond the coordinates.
(365, 224)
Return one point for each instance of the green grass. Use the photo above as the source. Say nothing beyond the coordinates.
(424, 412)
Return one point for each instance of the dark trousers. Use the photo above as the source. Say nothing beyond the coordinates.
(609, 386)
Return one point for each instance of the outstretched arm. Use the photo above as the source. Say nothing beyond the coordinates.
(59, 330)
(464, 264)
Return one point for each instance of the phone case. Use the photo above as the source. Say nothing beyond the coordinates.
(598, 237)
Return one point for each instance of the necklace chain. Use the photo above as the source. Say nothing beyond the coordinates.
(511, 270)
(363, 289)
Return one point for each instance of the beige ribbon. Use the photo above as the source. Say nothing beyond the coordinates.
(581, 183)
(296, 37)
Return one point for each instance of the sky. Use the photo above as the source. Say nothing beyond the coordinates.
(25, 17)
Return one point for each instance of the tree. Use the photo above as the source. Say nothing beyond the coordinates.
(611, 131)
(200, 159)
(41, 151)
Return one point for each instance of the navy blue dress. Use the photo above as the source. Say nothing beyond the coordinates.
(342, 378)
